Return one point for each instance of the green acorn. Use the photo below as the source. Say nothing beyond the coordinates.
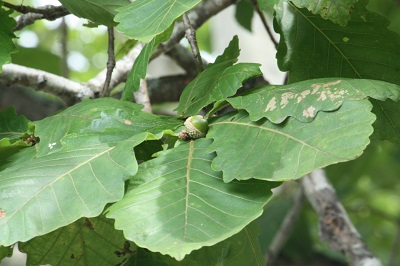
(196, 126)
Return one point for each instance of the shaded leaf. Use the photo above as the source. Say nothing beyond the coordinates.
(5, 252)
(104, 116)
(97, 11)
(312, 47)
(276, 152)
(336, 11)
(6, 35)
(139, 68)
(240, 249)
(12, 126)
(88, 241)
(42, 194)
(178, 204)
(303, 100)
(244, 13)
(218, 81)
(144, 19)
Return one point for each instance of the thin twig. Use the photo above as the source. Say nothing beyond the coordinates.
(64, 49)
(183, 57)
(335, 226)
(110, 62)
(286, 227)
(264, 22)
(190, 34)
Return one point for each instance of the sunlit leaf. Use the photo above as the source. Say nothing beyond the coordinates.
(42, 194)
(268, 151)
(88, 241)
(97, 11)
(218, 81)
(144, 19)
(303, 100)
(105, 116)
(312, 47)
(178, 204)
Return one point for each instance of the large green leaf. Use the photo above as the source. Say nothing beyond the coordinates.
(120, 119)
(240, 249)
(88, 241)
(303, 100)
(268, 151)
(244, 13)
(97, 11)
(144, 19)
(42, 194)
(178, 204)
(6, 35)
(218, 81)
(312, 47)
(337, 11)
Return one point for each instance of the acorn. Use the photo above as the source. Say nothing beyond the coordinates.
(196, 126)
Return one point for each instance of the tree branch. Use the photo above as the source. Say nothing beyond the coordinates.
(31, 14)
(142, 96)
(110, 62)
(190, 34)
(335, 226)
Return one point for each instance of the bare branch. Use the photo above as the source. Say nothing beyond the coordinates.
(190, 34)
(110, 62)
(31, 14)
(335, 226)
(71, 92)
(64, 49)
(264, 22)
(286, 227)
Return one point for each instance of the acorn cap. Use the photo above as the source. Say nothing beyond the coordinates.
(196, 126)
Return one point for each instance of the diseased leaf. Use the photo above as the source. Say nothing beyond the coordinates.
(144, 19)
(240, 249)
(97, 11)
(334, 10)
(178, 204)
(6, 35)
(303, 100)
(43, 194)
(217, 82)
(292, 149)
(312, 47)
(88, 241)
(104, 116)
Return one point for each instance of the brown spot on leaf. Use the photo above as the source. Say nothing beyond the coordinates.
(2, 213)
(88, 224)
